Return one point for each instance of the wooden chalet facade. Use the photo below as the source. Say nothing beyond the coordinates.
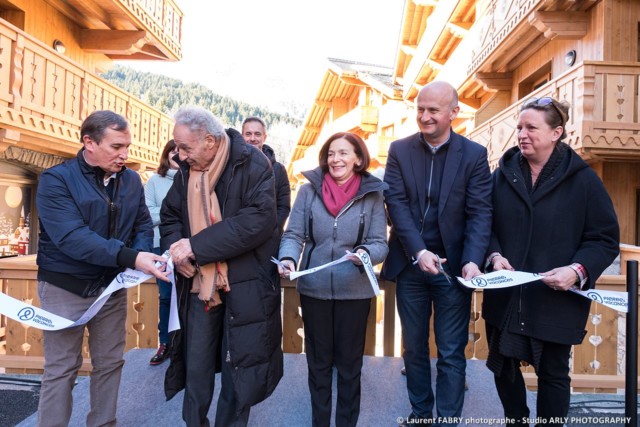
(51, 52)
(498, 53)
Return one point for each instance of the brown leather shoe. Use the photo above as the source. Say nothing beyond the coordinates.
(160, 355)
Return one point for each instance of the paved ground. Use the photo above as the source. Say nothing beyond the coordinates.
(384, 398)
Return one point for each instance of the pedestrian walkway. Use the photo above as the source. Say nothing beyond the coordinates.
(384, 397)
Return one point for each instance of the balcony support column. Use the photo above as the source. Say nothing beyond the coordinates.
(16, 72)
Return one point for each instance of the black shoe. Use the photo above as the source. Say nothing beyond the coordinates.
(160, 355)
(403, 371)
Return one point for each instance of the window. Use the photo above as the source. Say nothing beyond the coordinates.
(534, 80)
(17, 194)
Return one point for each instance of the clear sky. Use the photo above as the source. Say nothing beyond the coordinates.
(273, 52)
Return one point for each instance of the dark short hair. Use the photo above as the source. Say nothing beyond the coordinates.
(253, 119)
(358, 146)
(164, 166)
(98, 122)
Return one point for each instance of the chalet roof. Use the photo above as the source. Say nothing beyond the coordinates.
(377, 76)
(341, 80)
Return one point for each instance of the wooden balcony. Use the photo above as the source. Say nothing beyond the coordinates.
(127, 29)
(45, 96)
(597, 362)
(603, 123)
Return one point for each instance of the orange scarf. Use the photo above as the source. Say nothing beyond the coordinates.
(204, 210)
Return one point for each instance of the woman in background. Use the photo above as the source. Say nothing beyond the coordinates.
(340, 209)
(155, 191)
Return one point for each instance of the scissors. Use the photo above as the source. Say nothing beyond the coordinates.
(441, 269)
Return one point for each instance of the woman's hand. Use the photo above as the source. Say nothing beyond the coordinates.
(501, 263)
(354, 259)
(560, 279)
(290, 267)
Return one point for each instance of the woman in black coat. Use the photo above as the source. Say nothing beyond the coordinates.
(553, 216)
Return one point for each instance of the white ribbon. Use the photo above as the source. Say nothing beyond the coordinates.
(506, 278)
(42, 319)
(363, 256)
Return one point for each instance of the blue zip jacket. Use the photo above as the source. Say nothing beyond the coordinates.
(76, 238)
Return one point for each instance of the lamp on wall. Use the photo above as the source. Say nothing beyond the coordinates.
(570, 58)
(59, 47)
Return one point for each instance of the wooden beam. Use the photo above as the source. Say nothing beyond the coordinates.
(563, 25)
(111, 41)
(494, 82)
(434, 65)
(474, 103)
(409, 49)
(584, 380)
(147, 53)
(32, 362)
(78, 17)
(458, 29)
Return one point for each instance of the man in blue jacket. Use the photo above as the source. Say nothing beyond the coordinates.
(93, 224)
(439, 203)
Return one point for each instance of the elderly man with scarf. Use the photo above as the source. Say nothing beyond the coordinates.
(219, 224)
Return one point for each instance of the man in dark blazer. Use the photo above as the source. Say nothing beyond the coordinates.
(439, 203)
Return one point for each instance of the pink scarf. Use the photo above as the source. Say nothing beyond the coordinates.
(336, 196)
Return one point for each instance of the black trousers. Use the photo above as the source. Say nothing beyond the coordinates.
(204, 335)
(554, 388)
(334, 335)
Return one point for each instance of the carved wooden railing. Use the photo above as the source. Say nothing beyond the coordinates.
(597, 362)
(45, 96)
(162, 18)
(602, 119)
(23, 345)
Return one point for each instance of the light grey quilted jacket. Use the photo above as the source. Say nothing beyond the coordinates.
(320, 238)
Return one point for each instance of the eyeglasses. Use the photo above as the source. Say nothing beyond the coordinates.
(543, 102)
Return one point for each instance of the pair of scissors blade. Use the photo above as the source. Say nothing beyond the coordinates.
(441, 270)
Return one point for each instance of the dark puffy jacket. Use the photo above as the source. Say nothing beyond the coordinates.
(246, 239)
(75, 234)
(283, 189)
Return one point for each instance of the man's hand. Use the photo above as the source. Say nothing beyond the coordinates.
(560, 279)
(428, 262)
(146, 262)
(501, 263)
(187, 269)
(470, 270)
(181, 252)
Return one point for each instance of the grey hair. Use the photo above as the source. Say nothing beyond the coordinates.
(197, 119)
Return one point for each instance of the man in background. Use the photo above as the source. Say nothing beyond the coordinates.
(439, 204)
(93, 224)
(254, 132)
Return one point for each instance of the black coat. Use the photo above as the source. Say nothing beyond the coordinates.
(246, 239)
(283, 190)
(569, 218)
